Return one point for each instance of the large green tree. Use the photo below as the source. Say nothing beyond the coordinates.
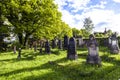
(88, 25)
(29, 16)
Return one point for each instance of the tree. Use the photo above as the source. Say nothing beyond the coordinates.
(84, 33)
(29, 16)
(88, 25)
(75, 32)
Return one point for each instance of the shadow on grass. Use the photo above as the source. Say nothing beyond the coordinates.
(71, 71)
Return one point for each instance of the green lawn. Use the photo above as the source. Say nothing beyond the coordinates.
(35, 66)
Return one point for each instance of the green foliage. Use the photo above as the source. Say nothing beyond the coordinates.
(75, 32)
(84, 33)
(39, 18)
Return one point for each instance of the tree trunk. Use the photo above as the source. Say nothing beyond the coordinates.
(26, 40)
(20, 36)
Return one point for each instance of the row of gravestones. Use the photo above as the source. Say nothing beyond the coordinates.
(70, 46)
(93, 56)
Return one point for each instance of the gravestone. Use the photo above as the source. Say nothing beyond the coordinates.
(53, 43)
(93, 56)
(71, 52)
(19, 53)
(80, 41)
(59, 44)
(47, 47)
(35, 46)
(114, 48)
(14, 47)
(109, 42)
(41, 45)
(66, 42)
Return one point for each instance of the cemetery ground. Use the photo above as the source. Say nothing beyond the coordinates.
(36, 66)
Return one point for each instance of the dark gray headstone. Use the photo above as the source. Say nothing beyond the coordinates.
(59, 44)
(114, 48)
(71, 52)
(19, 53)
(80, 41)
(47, 47)
(53, 43)
(93, 56)
(66, 42)
(35, 46)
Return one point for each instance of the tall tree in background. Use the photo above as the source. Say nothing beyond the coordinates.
(29, 16)
(88, 25)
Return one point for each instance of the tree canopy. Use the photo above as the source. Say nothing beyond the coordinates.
(39, 18)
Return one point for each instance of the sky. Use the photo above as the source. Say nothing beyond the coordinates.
(103, 13)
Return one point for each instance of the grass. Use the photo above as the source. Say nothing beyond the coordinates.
(36, 66)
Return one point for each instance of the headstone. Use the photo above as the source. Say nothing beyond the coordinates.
(35, 46)
(114, 48)
(53, 43)
(41, 45)
(47, 47)
(66, 42)
(71, 52)
(109, 41)
(93, 56)
(80, 41)
(59, 44)
(19, 53)
(14, 49)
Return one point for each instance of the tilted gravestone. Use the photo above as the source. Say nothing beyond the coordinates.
(80, 41)
(19, 53)
(59, 44)
(47, 47)
(53, 43)
(66, 42)
(114, 48)
(93, 56)
(71, 52)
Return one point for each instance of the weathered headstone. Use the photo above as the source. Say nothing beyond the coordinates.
(71, 52)
(80, 41)
(35, 46)
(14, 48)
(47, 47)
(93, 56)
(19, 53)
(59, 44)
(66, 42)
(114, 48)
(109, 41)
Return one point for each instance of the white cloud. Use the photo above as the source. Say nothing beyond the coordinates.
(97, 13)
(118, 1)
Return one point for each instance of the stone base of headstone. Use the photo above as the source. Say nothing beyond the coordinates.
(93, 59)
(40, 50)
(19, 53)
(72, 56)
(47, 50)
(115, 51)
(18, 57)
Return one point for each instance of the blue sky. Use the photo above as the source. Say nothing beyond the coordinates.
(104, 13)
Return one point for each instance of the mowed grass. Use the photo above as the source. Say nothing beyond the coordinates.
(36, 66)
